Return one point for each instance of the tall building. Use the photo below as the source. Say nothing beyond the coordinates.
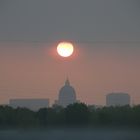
(67, 95)
(117, 99)
(33, 104)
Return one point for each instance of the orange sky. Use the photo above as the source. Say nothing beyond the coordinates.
(34, 70)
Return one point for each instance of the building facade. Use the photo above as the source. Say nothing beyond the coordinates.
(67, 95)
(117, 99)
(32, 104)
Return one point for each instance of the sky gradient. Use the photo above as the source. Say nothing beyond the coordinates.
(106, 36)
(76, 20)
(35, 70)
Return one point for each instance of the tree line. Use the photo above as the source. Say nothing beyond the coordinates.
(74, 114)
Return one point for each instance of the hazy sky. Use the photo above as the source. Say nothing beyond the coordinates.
(106, 35)
(80, 20)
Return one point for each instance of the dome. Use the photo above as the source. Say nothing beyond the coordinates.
(67, 94)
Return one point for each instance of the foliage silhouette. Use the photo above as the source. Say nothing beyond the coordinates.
(74, 114)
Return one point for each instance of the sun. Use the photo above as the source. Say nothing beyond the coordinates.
(65, 49)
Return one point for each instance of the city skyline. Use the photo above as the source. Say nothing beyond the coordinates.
(67, 95)
(53, 102)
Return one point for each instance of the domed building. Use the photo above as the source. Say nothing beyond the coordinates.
(67, 95)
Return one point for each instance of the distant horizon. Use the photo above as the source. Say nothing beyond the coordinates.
(31, 98)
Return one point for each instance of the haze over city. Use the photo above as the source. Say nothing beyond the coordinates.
(106, 56)
(70, 69)
(106, 42)
(35, 70)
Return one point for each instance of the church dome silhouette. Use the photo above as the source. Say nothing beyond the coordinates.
(67, 94)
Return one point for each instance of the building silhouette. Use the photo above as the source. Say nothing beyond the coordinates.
(33, 104)
(117, 99)
(67, 95)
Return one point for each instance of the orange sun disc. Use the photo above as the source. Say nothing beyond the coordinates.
(65, 49)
